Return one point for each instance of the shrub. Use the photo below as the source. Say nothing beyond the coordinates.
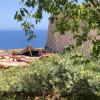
(68, 74)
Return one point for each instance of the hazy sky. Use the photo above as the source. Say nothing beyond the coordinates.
(7, 11)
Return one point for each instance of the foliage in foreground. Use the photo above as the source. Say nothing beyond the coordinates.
(68, 74)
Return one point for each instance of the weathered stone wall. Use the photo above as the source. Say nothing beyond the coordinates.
(56, 42)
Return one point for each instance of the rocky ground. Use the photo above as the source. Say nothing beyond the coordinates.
(7, 59)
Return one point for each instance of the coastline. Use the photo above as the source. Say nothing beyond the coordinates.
(16, 50)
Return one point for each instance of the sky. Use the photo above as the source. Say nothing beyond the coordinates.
(7, 11)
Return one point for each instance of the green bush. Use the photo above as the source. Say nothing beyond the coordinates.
(68, 74)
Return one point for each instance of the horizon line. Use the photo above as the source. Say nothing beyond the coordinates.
(22, 30)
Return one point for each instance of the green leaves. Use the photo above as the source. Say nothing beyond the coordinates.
(96, 48)
(69, 15)
(26, 11)
(22, 12)
(28, 28)
(19, 16)
(30, 3)
(58, 73)
(16, 15)
(22, 0)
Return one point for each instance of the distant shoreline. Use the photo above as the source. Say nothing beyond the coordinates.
(14, 50)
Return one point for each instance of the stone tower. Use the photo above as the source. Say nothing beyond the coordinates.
(55, 41)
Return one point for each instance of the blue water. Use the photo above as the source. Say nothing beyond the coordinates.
(17, 39)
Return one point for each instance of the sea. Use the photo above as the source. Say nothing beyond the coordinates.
(12, 39)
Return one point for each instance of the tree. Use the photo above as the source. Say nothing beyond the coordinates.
(68, 15)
